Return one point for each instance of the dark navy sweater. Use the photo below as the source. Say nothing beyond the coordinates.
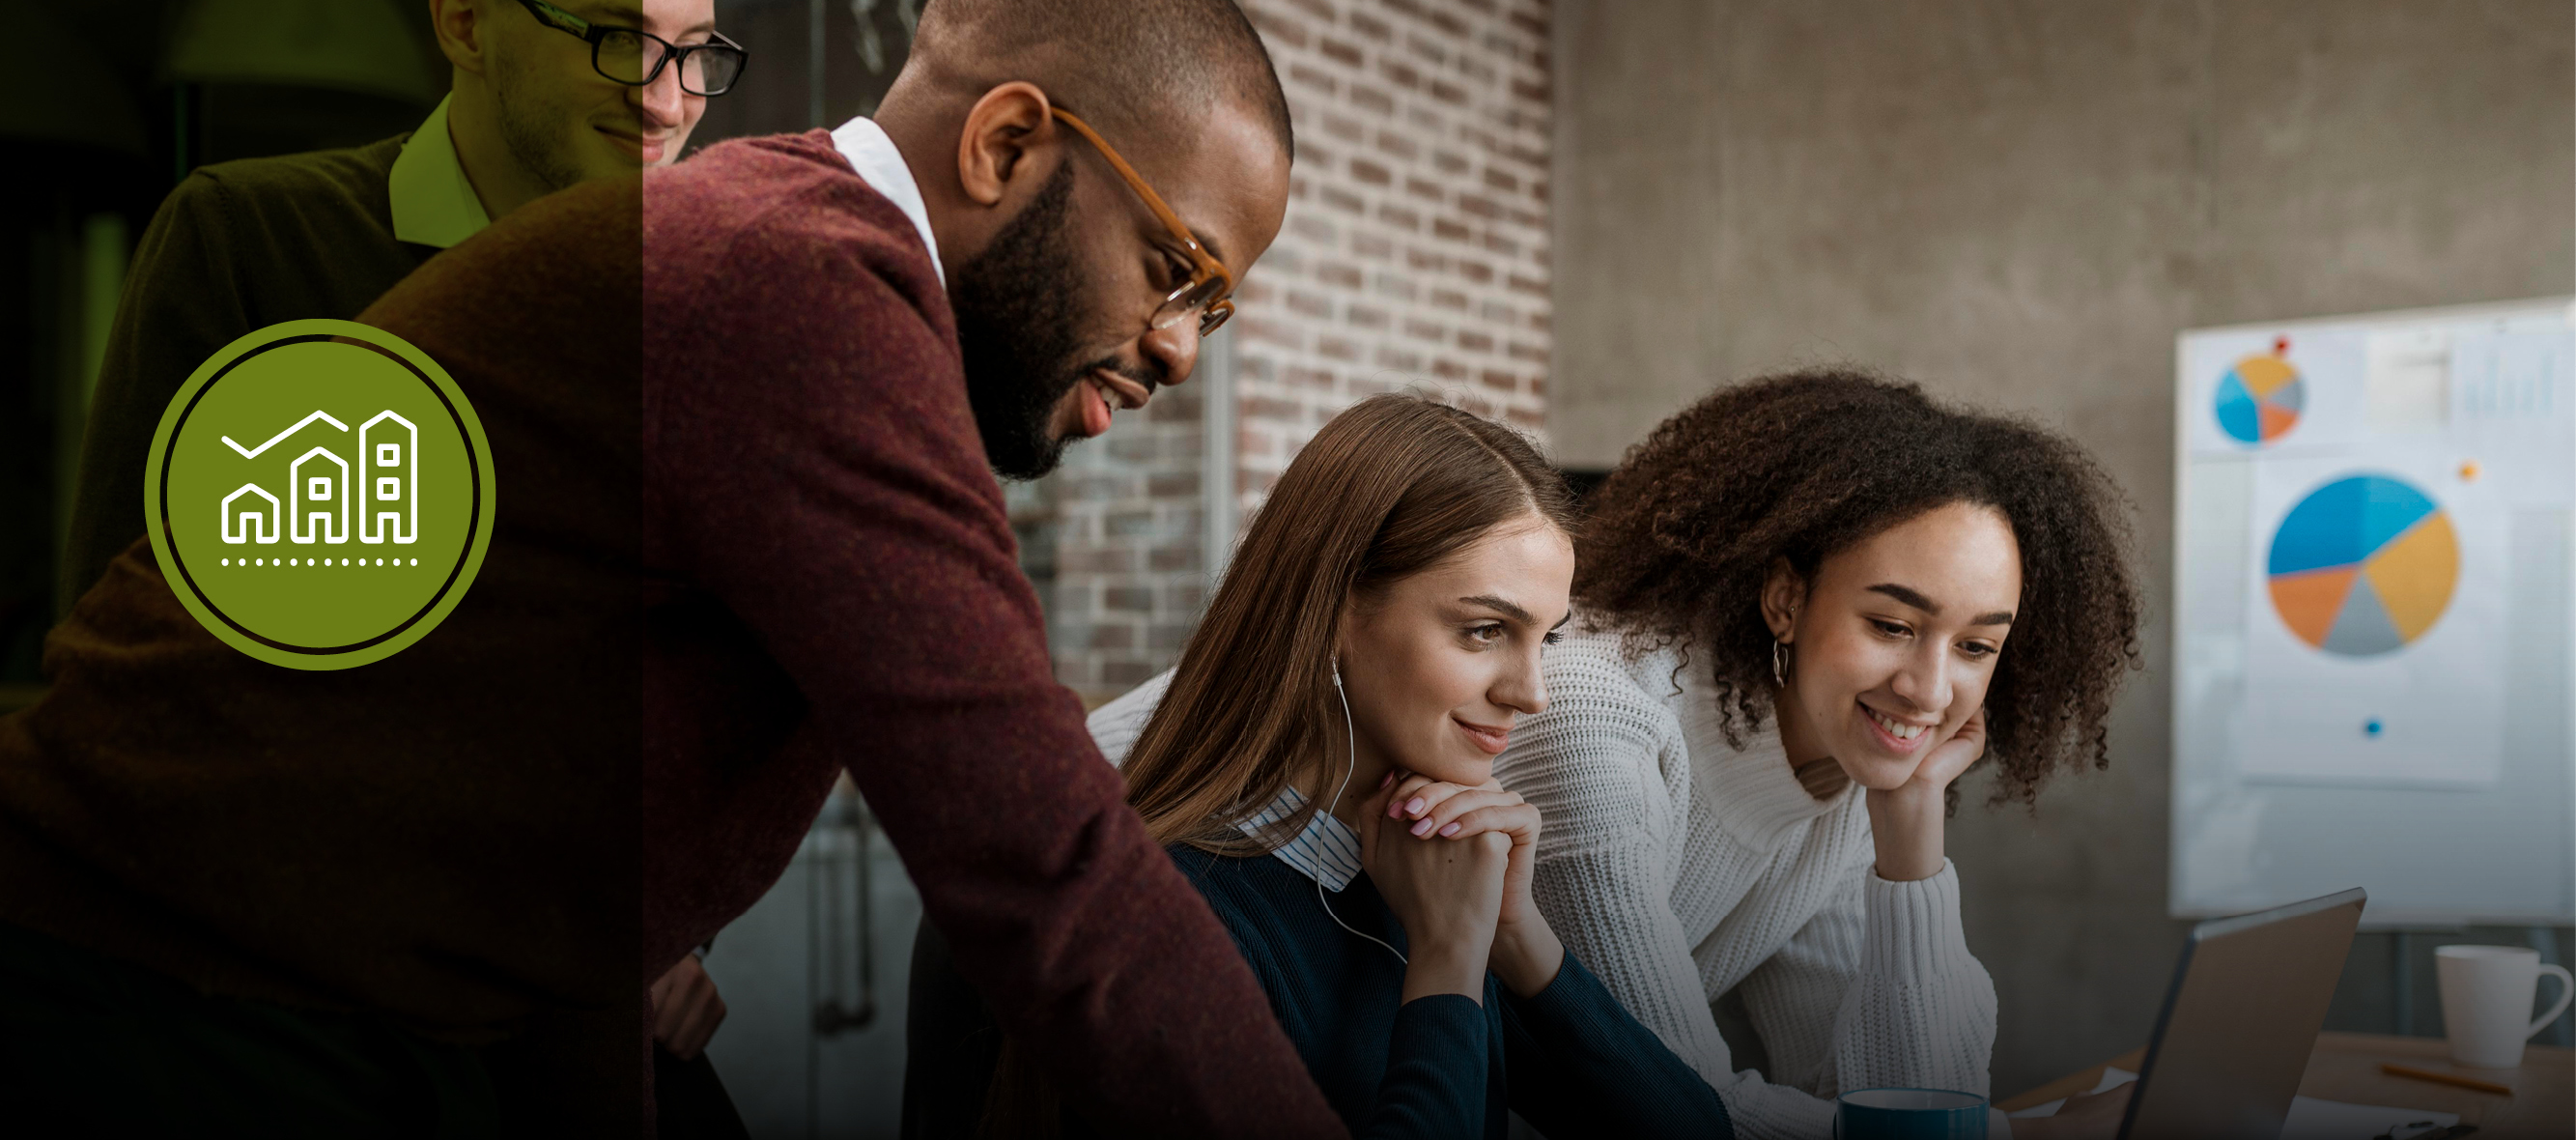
(1569, 1059)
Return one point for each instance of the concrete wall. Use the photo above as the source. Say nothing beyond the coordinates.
(2019, 204)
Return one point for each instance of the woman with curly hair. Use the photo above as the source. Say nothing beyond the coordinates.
(1806, 605)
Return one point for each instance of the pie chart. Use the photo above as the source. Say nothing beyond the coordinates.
(2259, 399)
(2363, 565)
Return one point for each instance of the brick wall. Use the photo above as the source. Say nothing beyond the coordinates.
(1115, 540)
(1416, 246)
(1415, 254)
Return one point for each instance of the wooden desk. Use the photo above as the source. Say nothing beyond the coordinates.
(2345, 1066)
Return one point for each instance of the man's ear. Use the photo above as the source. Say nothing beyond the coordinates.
(1004, 129)
(459, 24)
(1783, 594)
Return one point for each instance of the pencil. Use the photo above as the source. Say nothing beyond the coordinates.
(2397, 1070)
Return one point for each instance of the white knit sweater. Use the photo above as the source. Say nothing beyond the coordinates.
(1677, 867)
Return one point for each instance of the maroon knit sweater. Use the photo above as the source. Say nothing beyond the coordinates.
(851, 597)
(445, 838)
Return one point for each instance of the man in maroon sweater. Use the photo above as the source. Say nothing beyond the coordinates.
(845, 334)
(236, 901)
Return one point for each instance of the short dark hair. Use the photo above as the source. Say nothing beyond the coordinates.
(1680, 539)
(1129, 66)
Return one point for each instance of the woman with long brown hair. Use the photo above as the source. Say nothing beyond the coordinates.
(1381, 627)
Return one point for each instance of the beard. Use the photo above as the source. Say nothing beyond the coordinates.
(531, 128)
(1018, 323)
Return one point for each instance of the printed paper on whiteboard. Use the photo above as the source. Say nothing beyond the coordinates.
(2407, 387)
(2286, 392)
(2513, 413)
(2374, 624)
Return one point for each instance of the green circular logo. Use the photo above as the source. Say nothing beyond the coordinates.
(319, 494)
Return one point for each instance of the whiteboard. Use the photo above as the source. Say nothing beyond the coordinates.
(2374, 615)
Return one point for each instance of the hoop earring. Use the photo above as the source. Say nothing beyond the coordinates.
(1780, 656)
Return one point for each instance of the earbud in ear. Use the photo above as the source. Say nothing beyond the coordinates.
(1337, 671)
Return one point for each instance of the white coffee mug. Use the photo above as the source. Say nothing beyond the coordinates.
(2486, 999)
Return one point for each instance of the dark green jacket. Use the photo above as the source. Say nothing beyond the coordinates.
(238, 246)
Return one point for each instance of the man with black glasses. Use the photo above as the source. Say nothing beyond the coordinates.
(544, 95)
(94, 978)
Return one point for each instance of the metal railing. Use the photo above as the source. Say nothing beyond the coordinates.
(840, 933)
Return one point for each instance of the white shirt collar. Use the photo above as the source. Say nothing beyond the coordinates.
(433, 203)
(882, 167)
(1328, 851)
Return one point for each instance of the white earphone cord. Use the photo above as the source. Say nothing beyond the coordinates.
(1352, 737)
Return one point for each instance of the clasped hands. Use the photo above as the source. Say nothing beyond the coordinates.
(1453, 863)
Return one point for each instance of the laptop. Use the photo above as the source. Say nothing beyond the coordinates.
(2234, 1036)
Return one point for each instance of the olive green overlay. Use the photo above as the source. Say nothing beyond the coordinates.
(319, 494)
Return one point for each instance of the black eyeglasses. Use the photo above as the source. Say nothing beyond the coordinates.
(635, 58)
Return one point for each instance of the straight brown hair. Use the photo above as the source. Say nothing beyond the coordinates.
(1388, 489)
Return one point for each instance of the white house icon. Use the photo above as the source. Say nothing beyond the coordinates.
(322, 499)
(250, 525)
(388, 474)
(320, 488)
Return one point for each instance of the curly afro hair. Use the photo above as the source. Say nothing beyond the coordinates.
(1678, 541)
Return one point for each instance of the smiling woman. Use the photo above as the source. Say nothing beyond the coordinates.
(1320, 766)
(1807, 604)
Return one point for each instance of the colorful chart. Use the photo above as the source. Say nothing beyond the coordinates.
(2363, 565)
(2259, 400)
